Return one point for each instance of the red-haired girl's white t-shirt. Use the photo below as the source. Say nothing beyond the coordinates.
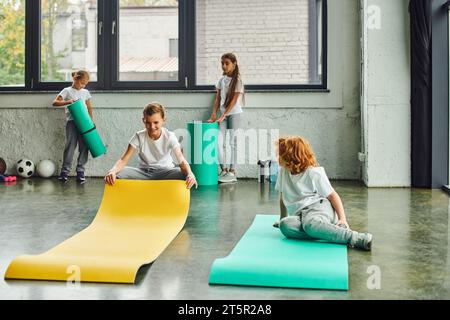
(155, 152)
(304, 189)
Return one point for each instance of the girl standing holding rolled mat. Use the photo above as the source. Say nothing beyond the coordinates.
(66, 97)
(230, 100)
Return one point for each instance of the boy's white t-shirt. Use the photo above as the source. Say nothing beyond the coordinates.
(155, 152)
(223, 85)
(302, 190)
(71, 93)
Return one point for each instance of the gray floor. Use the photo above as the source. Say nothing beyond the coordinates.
(410, 227)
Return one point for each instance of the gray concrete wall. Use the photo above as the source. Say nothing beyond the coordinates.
(386, 100)
(29, 127)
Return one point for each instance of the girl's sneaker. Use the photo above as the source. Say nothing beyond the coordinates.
(222, 173)
(63, 176)
(80, 177)
(228, 177)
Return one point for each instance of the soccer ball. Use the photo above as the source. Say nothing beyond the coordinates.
(25, 168)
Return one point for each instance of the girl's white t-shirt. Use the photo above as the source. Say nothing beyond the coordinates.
(71, 93)
(155, 152)
(304, 189)
(223, 85)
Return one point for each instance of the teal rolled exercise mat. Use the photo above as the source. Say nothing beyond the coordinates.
(264, 257)
(94, 143)
(87, 128)
(203, 151)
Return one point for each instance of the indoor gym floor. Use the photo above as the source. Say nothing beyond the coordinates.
(411, 250)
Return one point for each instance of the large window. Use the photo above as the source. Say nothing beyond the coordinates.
(162, 44)
(144, 40)
(65, 41)
(276, 42)
(12, 43)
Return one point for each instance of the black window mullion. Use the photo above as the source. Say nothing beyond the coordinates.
(101, 46)
(190, 44)
(31, 20)
(325, 44)
(111, 44)
(183, 78)
(114, 44)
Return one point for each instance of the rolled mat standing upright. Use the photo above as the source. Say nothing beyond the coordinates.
(87, 128)
(203, 151)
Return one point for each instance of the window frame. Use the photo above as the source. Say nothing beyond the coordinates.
(35, 83)
(143, 85)
(107, 78)
(272, 87)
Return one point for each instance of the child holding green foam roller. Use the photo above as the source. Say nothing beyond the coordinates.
(310, 208)
(154, 145)
(66, 97)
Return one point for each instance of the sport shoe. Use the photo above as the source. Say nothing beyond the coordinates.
(63, 176)
(363, 241)
(81, 177)
(222, 173)
(228, 177)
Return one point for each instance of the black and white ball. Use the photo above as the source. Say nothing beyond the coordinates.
(25, 168)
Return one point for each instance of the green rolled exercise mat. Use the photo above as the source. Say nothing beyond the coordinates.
(94, 143)
(203, 151)
(264, 257)
(87, 128)
(80, 115)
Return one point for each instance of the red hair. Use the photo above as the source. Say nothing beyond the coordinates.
(295, 154)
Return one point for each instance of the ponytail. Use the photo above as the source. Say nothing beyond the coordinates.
(80, 75)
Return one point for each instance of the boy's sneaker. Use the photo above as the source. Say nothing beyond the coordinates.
(363, 241)
(80, 177)
(228, 177)
(63, 176)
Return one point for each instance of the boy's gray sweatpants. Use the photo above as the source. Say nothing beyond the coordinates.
(73, 137)
(151, 173)
(317, 221)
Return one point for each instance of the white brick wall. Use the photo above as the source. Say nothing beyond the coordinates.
(270, 39)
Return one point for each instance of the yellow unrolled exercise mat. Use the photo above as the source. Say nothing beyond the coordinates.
(136, 221)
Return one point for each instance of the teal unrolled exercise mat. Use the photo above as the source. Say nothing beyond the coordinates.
(203, 151)
(264, 257)
(87, 128)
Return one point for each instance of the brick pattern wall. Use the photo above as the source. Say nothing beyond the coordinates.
(270, 39)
